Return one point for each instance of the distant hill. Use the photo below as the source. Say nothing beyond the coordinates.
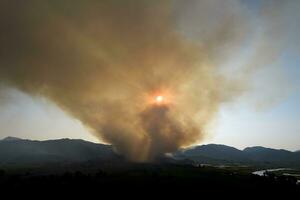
(212, 153)
(15, 151)
(18, 151)
(10, 139)
(263, 154)
(222, 154)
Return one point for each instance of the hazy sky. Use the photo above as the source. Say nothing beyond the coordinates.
(267, 114)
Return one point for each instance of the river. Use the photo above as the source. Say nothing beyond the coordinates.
(262, 172)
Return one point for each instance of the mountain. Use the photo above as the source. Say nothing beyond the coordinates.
(19, 151)
(9, 138)
(221, 154)
(269, 155)
(213, 153)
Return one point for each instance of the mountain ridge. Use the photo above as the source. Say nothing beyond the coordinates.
(10, 138)
(257, 155)
(23, 151)
(16, 150)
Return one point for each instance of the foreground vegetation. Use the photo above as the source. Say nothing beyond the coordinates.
(167, 178)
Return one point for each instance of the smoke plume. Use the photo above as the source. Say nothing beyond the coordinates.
(105, 62)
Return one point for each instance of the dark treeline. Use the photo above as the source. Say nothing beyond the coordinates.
(168, 179)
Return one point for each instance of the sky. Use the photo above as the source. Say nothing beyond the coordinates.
(267, 113)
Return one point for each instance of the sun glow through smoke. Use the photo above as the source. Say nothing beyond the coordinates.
(159, 99)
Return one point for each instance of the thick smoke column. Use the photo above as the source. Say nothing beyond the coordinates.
(103, 62)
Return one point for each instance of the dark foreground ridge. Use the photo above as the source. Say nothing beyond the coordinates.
(170, 179)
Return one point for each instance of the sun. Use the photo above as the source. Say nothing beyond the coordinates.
(159, 99)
